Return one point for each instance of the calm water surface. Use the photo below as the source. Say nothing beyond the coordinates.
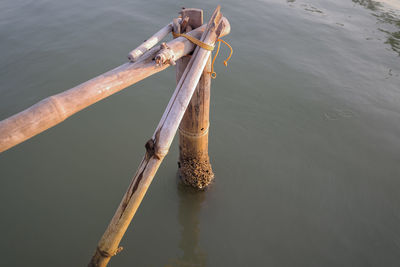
(304, 138)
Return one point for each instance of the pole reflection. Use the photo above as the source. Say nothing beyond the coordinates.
(190, 203)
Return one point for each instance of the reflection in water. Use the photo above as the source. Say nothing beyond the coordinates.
(388, 18)
(190, 201)
(393, 37)
(370, 4)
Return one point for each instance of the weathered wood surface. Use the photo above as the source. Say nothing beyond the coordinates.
(195, 16)
(55, 109)
(157, 147)
(194, 163)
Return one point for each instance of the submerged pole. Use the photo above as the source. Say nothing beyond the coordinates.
(194, 163)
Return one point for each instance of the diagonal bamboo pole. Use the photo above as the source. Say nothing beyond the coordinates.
(55, 109)
(157, 147)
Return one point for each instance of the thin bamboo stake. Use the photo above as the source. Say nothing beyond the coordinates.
(194, 163)
(55, 109)
(136, 53)
(157, 147)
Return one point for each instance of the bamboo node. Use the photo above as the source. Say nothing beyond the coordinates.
(107, 254)
(161, 152)
(153, 150)
(58, 107)
(193, 134)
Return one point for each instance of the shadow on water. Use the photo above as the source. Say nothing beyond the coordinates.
(190, 203)
(386, 18)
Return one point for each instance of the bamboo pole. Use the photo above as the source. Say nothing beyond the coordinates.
(194, 163)
(136, 53)
(55, 109)
(157, 147)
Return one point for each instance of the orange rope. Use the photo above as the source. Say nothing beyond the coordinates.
(207, 47)
(194, 40)
(213, 73)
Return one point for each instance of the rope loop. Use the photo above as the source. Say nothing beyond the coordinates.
(213, 73)
(207, 47)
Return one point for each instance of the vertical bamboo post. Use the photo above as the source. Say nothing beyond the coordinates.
(194, 163)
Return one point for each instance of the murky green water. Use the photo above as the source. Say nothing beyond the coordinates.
(304, 138)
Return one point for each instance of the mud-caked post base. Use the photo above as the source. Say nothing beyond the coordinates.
(196, 173)
(194, 169)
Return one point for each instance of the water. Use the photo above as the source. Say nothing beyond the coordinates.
(304, 137)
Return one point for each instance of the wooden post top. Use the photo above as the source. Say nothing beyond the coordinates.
(195, 16)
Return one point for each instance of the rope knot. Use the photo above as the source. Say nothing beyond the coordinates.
(207, 47)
